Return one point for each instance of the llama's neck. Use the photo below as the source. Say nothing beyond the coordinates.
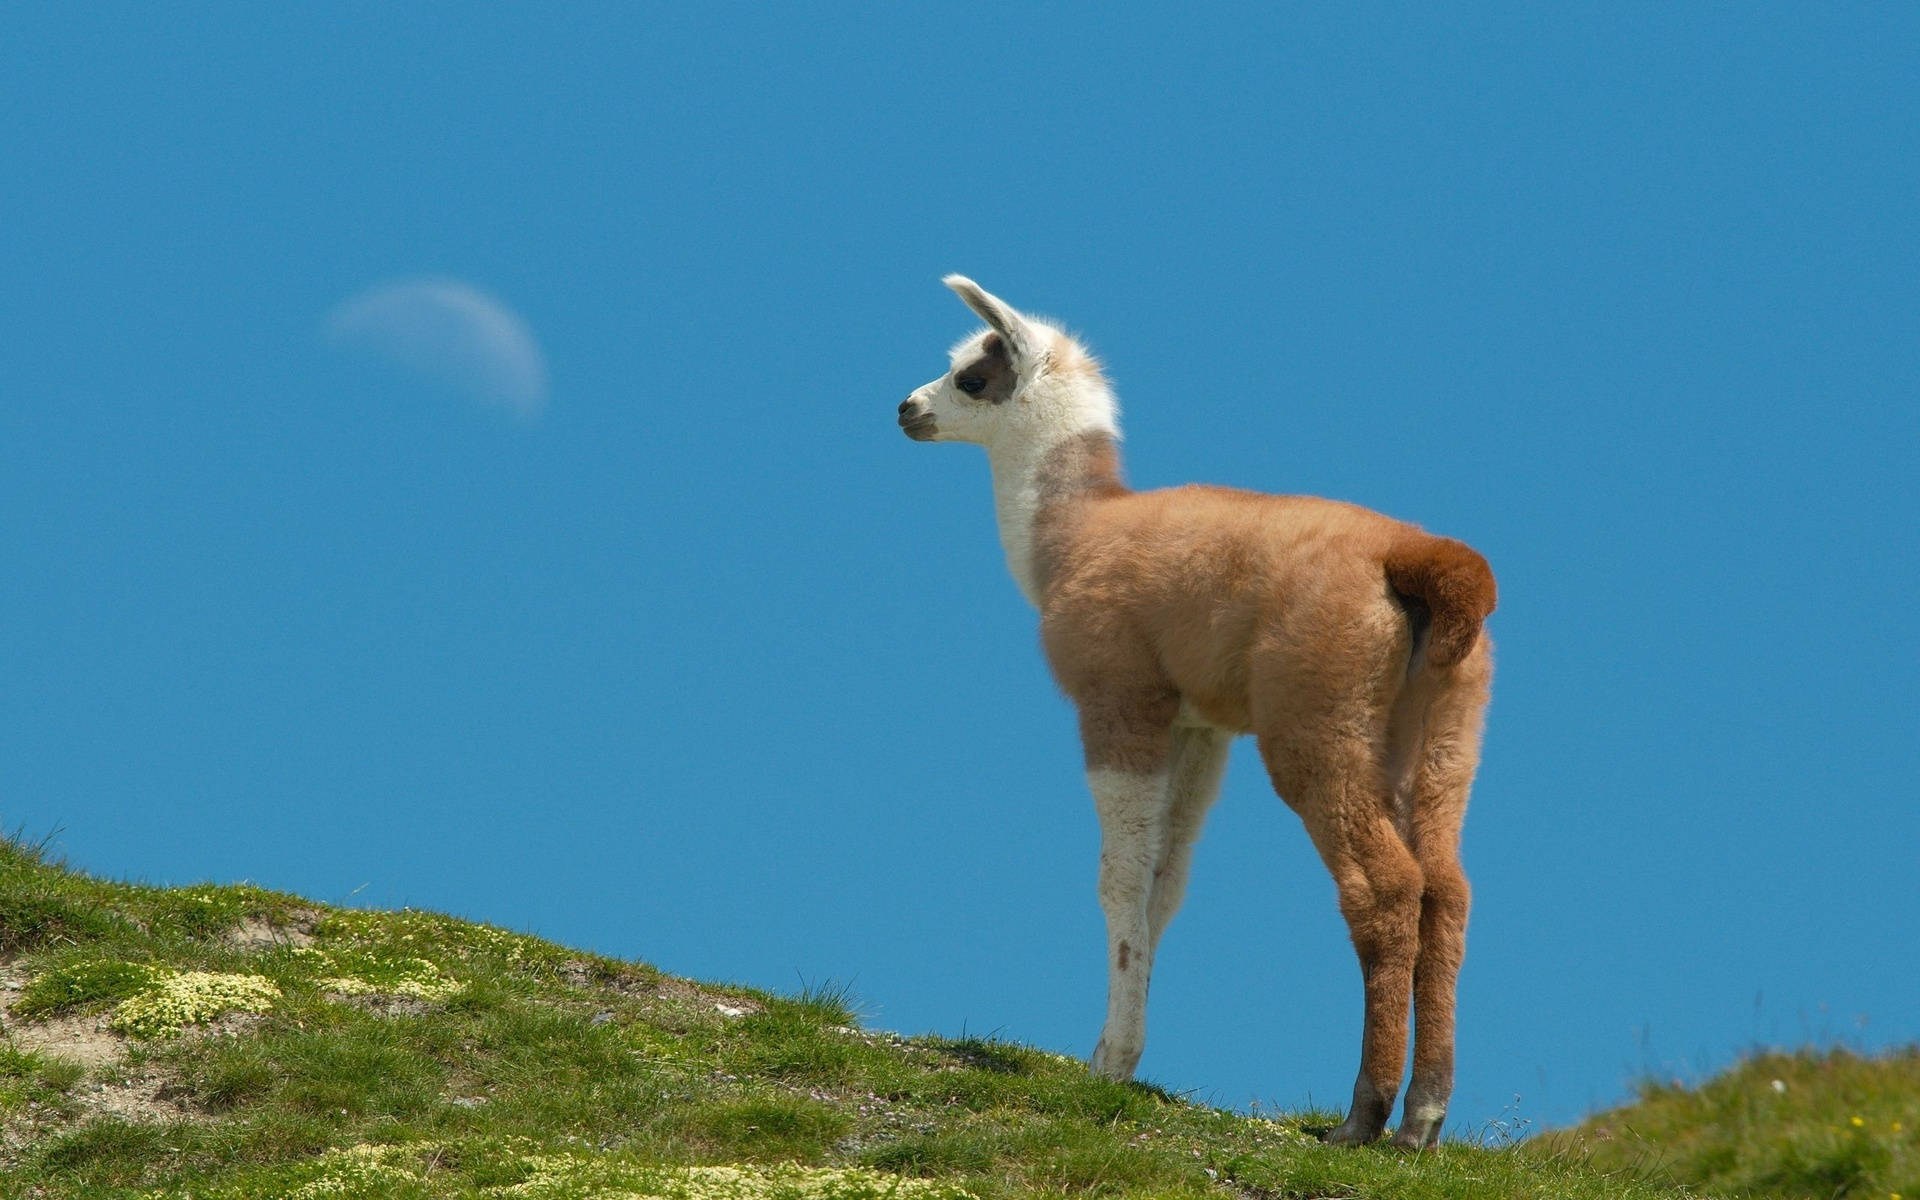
(1038, 482)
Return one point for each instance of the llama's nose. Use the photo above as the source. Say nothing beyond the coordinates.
(905, 405)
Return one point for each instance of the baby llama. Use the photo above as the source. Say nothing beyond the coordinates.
(1347, 643)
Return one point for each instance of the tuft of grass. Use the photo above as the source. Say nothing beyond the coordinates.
(767, 1129)
(60, 1075)
(828, 1002)
(104, 1153)
(40, 906)
(233, 1073)
(368, 1071)
(87, 984)
(934, 1154)
(200, 912)
(32, 1082)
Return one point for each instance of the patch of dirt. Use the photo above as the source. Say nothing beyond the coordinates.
(578, 972)
(387, 1004)
(608, 976)
(259, 933)
(143, 1097)
(86, 1040)
(93, 1043)
(981, 1057)
(12, 980)
(679, 993)
(670, 988)
(226, 1025)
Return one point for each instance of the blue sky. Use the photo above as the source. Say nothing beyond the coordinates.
(692, 657)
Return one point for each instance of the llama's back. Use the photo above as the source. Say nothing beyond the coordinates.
(1320, 566)
(1216, 590)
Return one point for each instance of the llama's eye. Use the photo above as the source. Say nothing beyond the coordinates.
(972, 385)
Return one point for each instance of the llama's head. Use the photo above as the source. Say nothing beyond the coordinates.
(1018, 380)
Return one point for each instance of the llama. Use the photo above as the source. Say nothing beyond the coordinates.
(1348, 643)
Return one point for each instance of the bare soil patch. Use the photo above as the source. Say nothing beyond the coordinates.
(141, 1097)
(86, 1040)
(258, 933)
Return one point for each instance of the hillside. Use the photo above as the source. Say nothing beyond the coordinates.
(1815, 1124)
(230, 1042)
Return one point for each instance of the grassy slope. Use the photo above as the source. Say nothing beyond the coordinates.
(1810, 1124)
(411, 1055)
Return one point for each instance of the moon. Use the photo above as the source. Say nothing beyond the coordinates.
(451, 333)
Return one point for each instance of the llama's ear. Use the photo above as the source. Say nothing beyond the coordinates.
(1001, 317)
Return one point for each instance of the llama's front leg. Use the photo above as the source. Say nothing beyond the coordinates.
(1133, 819)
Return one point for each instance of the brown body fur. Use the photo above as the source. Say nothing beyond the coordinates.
(1292, 618)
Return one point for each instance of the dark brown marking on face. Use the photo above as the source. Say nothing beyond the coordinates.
(1083, 468)
(1126, 955)
(988, 376)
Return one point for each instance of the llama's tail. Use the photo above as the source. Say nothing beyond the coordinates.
(1451, 582)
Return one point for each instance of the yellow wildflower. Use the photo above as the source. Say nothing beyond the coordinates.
(355, 1171)
(1857, 1122)
(189, 997)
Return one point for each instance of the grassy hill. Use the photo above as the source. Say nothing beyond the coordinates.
(1810, 1124)
(230, 1042)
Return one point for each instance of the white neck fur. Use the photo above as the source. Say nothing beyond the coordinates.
(1060, 410)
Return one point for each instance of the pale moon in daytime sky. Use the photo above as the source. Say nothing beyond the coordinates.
(449, 332)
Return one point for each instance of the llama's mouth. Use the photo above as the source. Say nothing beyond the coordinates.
(919, 426)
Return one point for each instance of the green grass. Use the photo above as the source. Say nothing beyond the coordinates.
(1824, 1124)
(84, 984)
(411, 1054)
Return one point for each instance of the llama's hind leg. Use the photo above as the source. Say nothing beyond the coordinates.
(1443, 776)
(1198, 761)
(1128, 745)
(1342, 800)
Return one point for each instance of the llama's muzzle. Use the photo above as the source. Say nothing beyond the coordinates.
(915, 421)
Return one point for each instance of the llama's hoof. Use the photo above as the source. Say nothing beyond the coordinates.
(1113, 1064)
(1417, 1135)
(1420, 1124)
(1352, 1133)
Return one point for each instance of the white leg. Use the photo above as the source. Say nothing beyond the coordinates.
(1198, 763)
(1133, 832)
